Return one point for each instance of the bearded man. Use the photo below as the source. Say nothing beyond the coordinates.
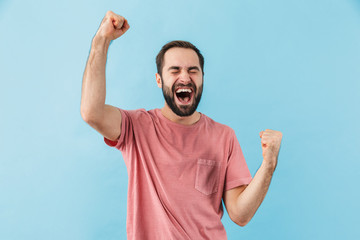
(181, 164)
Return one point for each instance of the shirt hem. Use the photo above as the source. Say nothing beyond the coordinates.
(238, 183)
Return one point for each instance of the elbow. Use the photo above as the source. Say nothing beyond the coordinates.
(84, 114)
(85, 117)
(88, 117)
(241, 221)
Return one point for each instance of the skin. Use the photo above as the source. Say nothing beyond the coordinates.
(183, 59)
(241, 202)
(104, 118)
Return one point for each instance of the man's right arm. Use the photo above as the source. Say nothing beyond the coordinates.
(104, 118)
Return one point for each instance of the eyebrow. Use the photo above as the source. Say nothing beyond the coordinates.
(177, 68)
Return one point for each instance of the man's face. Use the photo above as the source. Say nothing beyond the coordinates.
(181, 81)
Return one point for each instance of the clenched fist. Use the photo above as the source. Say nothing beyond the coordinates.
(112, 26)
(270, 143)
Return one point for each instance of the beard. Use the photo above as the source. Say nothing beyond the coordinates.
(182, 110)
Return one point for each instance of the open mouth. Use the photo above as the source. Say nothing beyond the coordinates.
(184, 95)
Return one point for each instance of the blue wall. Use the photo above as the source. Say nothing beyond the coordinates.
(291, 66)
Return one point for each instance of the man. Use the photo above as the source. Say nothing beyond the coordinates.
(180, 163)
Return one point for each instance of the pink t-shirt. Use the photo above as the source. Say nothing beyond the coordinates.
(177, 175)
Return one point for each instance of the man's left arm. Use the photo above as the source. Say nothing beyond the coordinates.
(242, 202)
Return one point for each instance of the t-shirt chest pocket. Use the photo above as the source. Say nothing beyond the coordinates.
(207, 176)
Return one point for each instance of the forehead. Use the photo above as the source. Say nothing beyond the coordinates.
(183, 57)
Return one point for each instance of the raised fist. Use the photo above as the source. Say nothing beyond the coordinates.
(270, 143)
(112, 26)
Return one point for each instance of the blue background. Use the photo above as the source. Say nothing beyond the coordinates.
(291, 66)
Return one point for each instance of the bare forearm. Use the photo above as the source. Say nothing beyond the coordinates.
(94, 84)
(250, 199)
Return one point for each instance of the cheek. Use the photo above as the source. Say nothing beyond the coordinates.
(200, 81)
(199, 85)
(167, 89)
(167, 81)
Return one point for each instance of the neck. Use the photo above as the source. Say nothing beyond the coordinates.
(189, 120)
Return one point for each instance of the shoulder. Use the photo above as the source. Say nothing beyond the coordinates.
(136, 113)
(217, 126)
(140, 115)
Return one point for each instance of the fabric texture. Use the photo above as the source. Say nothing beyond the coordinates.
(177, 175)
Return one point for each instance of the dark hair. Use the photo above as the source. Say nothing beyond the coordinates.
(180, 44)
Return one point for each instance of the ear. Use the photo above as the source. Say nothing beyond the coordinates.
(158, 80)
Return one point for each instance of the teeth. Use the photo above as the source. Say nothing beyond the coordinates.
(184, 90)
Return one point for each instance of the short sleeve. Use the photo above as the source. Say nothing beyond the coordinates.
(237, 172)
(126, 131)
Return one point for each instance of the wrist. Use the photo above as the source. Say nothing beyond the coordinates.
(100, 42)
(269, 163)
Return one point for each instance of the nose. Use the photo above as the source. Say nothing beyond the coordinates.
(184, 77)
